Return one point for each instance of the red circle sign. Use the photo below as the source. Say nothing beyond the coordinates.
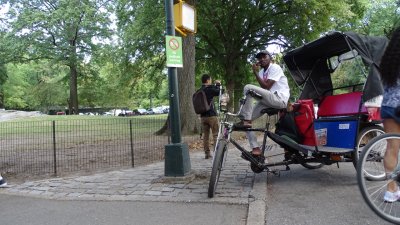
(173, 44)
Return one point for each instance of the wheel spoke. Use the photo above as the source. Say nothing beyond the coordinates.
(372, 179)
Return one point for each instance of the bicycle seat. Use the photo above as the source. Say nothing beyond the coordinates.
(270, 111)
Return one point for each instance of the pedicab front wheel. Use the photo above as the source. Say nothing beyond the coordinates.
(218, 161)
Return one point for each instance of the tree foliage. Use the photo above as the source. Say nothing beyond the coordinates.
(232, 31)
(64, 31)
(112, 52)
(381, 17)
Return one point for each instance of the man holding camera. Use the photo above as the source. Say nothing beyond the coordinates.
(209, 119)
(274, 90)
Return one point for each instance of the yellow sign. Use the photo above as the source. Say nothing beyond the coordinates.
(185, 18)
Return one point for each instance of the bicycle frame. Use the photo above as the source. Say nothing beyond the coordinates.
(226, 128)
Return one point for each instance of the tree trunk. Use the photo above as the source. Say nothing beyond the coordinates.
(1, 98)
(73, 81)
(73, 90)
(235, 76)
(186, 80)
(190, 122)
(186, 83)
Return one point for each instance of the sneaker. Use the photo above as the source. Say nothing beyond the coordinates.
(3, 183)
(391, 196)
(256, 151)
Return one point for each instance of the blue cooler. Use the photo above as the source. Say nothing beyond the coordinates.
(336, 132)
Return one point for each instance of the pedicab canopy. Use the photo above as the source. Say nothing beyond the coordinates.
(311, 67)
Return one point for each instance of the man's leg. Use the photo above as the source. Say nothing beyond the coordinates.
(391, 155)
(269, 99)
(247, 108)
(206, 136)
(251, 136)
(214, 128)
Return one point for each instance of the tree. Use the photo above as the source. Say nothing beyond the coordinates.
(231, 31)
(3, 79)
(16, 88)
(3, 71)
(64, 31)
(381, 18)
(143, 51)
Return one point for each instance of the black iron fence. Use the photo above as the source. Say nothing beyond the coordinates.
(81, 145)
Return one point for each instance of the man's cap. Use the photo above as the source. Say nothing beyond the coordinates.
(262, 53)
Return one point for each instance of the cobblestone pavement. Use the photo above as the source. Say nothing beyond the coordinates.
(147, 183)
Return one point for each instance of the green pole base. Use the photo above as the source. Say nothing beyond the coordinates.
(177, 160)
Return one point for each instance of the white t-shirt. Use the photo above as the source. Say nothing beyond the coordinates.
(281, 86)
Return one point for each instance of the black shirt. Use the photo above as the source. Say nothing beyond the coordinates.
(211, 91)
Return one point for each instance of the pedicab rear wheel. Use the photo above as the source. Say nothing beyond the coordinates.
(312, 166)
(365, 135)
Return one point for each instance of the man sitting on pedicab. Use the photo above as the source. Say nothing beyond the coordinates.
(274, 90)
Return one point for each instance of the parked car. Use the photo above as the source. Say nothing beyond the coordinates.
(165, 109)
(126, 113)
(150, 111)
(158, 110)
(140, 112)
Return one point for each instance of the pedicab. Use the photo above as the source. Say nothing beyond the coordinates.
(332, 122)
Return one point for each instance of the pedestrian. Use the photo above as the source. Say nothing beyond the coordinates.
(209, 119)
(3, 182)
(274, 90)
(390, 108)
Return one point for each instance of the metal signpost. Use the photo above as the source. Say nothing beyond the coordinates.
(177, 160)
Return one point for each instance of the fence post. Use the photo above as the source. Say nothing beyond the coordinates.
(131, 136)
(54, 148)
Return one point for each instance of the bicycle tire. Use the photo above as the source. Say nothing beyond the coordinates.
(217, 167)
(371, 160)
(362, 140)
(312, 166)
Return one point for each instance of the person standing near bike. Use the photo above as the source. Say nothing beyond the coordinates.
(274, 90)
(209, 119)
(390, 109)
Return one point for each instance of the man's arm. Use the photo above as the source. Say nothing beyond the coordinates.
(264, 84)
(213, 90)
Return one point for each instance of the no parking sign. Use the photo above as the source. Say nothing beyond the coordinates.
(174, 51)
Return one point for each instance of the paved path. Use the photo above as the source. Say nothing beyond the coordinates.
(238, 185)
(18, 210)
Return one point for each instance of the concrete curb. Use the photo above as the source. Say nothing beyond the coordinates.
(257, 200)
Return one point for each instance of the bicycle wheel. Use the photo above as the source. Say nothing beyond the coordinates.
(363, 138)
(312, 166)
(373, 190)
(218, 161)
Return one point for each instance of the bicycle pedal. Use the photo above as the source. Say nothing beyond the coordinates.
(260, 158)
(275, 172)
